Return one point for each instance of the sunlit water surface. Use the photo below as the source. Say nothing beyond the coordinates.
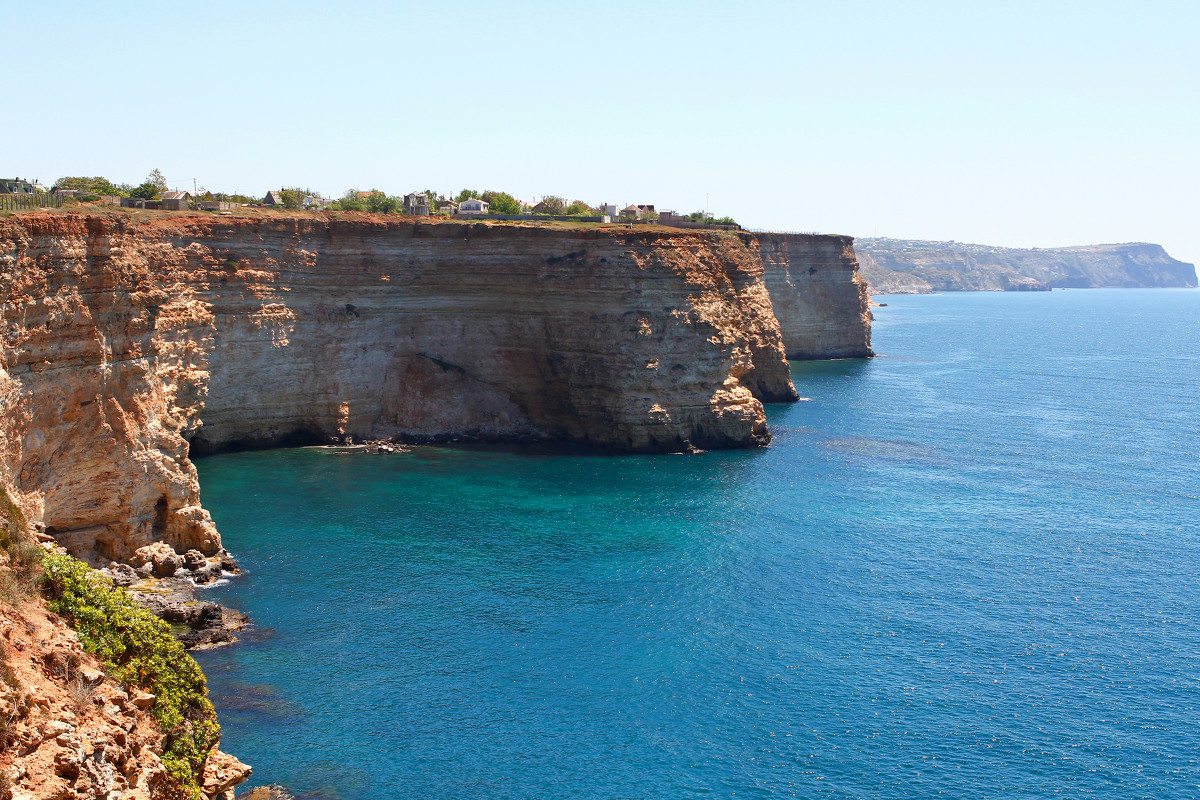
(968, 568)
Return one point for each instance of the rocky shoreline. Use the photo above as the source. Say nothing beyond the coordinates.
(167, 583)
(132, 345)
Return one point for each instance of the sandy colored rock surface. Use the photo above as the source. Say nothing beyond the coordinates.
(125, 346)
(820, 299)
(70, 731)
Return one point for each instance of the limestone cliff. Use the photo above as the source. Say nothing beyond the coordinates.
(906, 267)
(820, 299)
(124, 345)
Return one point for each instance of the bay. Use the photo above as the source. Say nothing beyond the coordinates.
(965, 568)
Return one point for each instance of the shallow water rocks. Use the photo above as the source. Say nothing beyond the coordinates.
(194, 560)
(174, 599)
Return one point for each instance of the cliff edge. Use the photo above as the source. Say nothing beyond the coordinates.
(821, 301)
(127, 345)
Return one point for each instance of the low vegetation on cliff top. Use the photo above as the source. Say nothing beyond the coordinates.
(138, 649)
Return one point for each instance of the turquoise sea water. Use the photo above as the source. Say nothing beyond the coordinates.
(969, 568)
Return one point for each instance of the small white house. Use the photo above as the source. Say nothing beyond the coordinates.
(473, 207)
(609, 209)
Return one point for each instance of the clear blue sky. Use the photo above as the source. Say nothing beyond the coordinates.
(1016, 123)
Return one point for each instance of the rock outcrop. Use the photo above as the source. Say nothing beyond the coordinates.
(820, 299)
(125, 346)
(71, 731)
(896, 266)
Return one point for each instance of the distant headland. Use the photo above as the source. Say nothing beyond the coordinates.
(900, 266)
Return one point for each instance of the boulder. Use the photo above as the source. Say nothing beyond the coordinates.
(122, 574)
(194, 560)
(221, 773)
(166, 562)
(144, 700)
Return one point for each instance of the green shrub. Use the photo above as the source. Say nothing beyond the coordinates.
(138, 649)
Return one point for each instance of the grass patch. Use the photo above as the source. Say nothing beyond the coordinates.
(137, 649)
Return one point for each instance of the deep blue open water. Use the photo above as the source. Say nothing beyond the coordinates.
(969, 568)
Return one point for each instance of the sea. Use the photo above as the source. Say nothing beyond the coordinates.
(967, 568)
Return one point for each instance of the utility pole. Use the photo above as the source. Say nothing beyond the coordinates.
(195, 195)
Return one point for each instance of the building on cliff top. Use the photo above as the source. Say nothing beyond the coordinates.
(175, 201)
(273, 198)
(472, 207)
(416, 203)
(139, 202)
(16, 186)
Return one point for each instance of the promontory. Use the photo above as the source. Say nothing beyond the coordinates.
(130, 342)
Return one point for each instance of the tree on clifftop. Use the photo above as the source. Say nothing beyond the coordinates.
(501, 202)
(350, 201)
(551, 205)
(96, 185)
(154, 185)
(578, 208)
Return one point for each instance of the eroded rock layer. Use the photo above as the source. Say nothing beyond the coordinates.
(820, 299)
(124, 345)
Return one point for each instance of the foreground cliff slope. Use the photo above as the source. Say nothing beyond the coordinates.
(128, 344)
(896, 266)
(73, 726)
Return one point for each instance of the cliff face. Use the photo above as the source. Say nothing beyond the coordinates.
(906, 267)
(820, 299)
(125, 344)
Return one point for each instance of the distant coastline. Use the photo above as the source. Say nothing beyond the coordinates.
(900, 266)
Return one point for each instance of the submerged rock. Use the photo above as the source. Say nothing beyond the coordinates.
(205, 623)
